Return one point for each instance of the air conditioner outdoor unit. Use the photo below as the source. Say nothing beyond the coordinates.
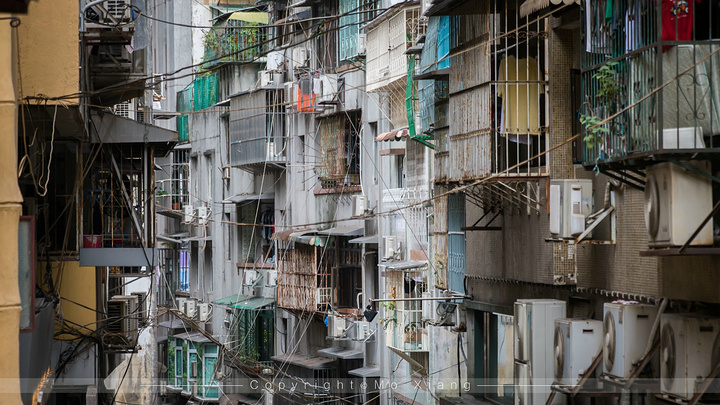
(180, 303)
(570, 204)
(188, 214)
(533, 344)
(363, 331)
(193, 384)
(250, 277)
(676, 202)
(203, 310)
(361, 44)
(122, 317)
(576, 343)
(267, 78)
(390, 246)
(289, 93)
(190, 308)
(202, 214)
(301, 58)
(626, 328)
(689, 349)
(271, 278)
(336, 326)
(142, 305)
(359, 205)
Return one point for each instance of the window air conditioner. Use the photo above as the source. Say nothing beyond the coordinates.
(189, 214)
(576, 343)
(391, 245)
(570, 204)
(359, 205)
(676, 202)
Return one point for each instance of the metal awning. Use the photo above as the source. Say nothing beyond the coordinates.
(531, 6)
(115, 129)
(396, 135)
(344, 231)
(301, 360)
(251, 17)
(285, 235)
(254, 303)
(174, 323)
(419, 367)
(193, 337)
(240, 198)
(231, 300)
(342, 353)
(366, 372)
(365, 239)
(411, 264)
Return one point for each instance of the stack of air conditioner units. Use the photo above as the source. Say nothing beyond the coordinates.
(689, 349)
(576, 343)
(627, 329)
(570, 204)
(676, 202)
(534, 327)
(123, 312)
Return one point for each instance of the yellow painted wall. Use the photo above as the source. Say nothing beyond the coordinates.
(75, 284)
(48, 52)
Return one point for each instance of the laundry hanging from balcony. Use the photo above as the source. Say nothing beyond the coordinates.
(519, 116)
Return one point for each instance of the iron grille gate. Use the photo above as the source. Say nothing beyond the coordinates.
(456, 242)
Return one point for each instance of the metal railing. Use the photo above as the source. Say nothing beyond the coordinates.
(627, 58)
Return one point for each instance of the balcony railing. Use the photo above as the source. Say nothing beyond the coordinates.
(237, 41)
(657, 86)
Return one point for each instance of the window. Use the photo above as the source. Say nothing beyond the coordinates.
(256, 333)
(179, 363)
(338, 137)
(210, 358)
(456, 242)
(184, 275)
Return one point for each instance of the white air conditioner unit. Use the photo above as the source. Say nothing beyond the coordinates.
(289, 93)
(689, 348)
(336, 326)
(123, 317)
(683, 138)
(359, 205)
(533, 344)
(576, 343)
(391, 244)
(361, 44)
(180, 303)
(301, 58)
(676, 202)
(268, 78)
(202, 214)
(189, 214)
(190, 308)
(363, 330)
(570, 204)
(203, 310)
(271, 278)
(271, 152)
(250, 277)
(626, 328)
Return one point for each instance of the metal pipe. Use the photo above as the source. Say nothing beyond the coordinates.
(656, 325)
(454, 297)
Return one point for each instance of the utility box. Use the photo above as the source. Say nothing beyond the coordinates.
(570, 203)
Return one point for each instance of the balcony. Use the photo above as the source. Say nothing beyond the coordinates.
(654, 87)
(236, 37)
(257, 131)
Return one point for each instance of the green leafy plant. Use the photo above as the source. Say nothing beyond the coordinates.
(594, 130)
(608, 91)
(605, 76)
